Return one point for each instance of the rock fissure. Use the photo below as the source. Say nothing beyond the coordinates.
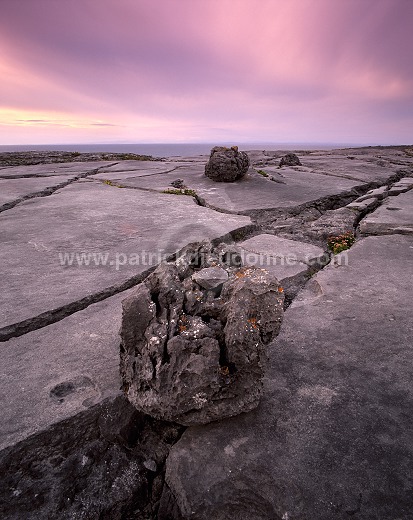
(46, 192)
(47, 318)
(54, 315)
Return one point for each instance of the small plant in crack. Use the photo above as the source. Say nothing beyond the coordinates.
(263, 173)
(111, 183)
(183, 191)
(340, 243)
(252, 322)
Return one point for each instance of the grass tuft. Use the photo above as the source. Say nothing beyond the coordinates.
(183, 191)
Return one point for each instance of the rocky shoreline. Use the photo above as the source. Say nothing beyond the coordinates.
(331, 436)
(48, 157)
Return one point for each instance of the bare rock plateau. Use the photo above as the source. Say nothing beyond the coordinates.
(266, 335)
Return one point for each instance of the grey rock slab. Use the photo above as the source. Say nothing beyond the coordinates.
(14, 189)
(140, 167)
(45, 170)
(333, 223)
(396, 190)
(333, 435)
(363, 205)
(286, 251)
(120, 232)
(363, 168)
(282, 271)
(405, 181)
(395, 215)
(53, 373)
(378, 193)
(288, 260)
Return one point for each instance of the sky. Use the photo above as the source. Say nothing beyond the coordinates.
(172, 71)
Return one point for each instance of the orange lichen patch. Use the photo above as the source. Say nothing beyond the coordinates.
(280, 289)
(242, 273)
(253, 322)
(224, 370)
(182, 323)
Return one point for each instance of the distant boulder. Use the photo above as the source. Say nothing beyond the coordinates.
(290, 159)
(179, 184)
(226, 164)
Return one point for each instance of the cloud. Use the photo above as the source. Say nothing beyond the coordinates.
(182, 67)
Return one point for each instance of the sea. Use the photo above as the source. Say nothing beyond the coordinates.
(169, 149)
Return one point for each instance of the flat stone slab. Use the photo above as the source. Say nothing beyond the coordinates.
(288, 260)
(141, 167)
(14, 189)
(396, 190)
(362, 205)
(333, 436)
(47, 170)
(284, 251)
(60, 370)
(119, 233)
(395, 215)
(358, 164)
(378, 193)
(405, 181)
(363, 168)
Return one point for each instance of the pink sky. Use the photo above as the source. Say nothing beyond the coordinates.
(100, 71)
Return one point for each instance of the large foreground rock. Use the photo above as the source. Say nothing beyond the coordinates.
(226, 164)
(333, 436)
(194, 350)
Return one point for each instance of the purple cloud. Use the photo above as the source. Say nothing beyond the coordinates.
(326, 69)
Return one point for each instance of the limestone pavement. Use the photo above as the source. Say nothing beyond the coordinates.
(332, 436)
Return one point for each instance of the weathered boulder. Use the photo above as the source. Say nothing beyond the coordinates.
(194, 350)
(226, 164)
(290, 159)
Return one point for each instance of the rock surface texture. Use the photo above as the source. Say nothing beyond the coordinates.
(226, 164)
(194, 349)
